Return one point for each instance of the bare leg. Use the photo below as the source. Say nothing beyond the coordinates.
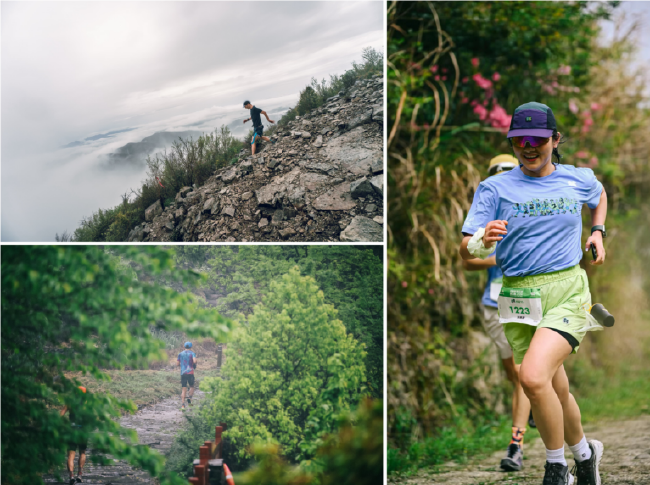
(544, 357)
(82, 462)
(71, 462)
(573, 431)
(265, 138)
(520, 403)
(183, 395)
(191, 392)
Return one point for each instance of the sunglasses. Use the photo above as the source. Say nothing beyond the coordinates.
(535, 141)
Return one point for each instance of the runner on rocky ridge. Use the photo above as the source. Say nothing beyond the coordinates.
(258, 128)
(532, 214)
(520, 405)
(187, 363)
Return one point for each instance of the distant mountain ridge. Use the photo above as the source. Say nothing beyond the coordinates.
(135, 153)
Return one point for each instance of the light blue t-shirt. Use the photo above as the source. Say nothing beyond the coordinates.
(543, 214)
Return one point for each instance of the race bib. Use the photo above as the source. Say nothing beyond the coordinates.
(523, 305)
(495, 288)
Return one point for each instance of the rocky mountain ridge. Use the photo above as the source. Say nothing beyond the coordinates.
(321, 180)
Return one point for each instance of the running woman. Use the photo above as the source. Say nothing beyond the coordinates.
(532, 214)
(187, 363)
(258, 128)
(514, 459)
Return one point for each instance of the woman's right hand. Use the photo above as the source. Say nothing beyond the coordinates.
(494, 231)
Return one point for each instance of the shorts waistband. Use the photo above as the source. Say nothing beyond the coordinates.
(540, 279)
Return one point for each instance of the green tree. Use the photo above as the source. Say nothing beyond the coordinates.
(83, 309)
(291, 369)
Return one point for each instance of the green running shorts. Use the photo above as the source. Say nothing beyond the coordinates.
(565, 303)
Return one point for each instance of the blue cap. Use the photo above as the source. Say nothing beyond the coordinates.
(532, 119)
(188, 345)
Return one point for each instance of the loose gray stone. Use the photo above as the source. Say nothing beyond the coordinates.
(377, 183)
(247, 195)
(371, 208)
(319, 141)
(153, 210)
(286, 233)
(362, 229)
(338, 198)
(378, 219)
(229, 176)
(305, 134)
(263, 222)
(274, 162)
(361, 188)
(229, 211)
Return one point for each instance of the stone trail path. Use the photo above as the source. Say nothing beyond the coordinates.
(156, 426)
(626, 460)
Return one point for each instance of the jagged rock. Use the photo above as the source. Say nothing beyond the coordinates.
(169, 225)
(247, 165)
(179, 213)
(247, 195)
(273, 163)
(285, 233)
(152, 211)
(361, 188)
(305, 134)
(319, 141)
(377, 167)
(378, 219)
(338, 198)
(377, 183)
(136, 235)
(229, 211)
(229, 175)
(263, 222)
(371, 208)
(297, 198)
(378, 114)
(362, 229)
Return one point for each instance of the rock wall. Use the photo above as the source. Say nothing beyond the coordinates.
(321, 179)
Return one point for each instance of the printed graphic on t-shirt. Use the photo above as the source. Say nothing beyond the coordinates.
(547, 207)
(186, 358)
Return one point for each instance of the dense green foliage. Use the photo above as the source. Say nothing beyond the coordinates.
(457, 70)
(352, 455)
(317, 93)
(79, 308)
(187, 163)
(292, 368)
(351, 278)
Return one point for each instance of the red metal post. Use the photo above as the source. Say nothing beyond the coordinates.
(199, 472)
(194, 480)
(204, 455)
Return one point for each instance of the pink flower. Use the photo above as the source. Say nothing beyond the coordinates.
(404, 284)
(480, 111)
(496, 76)
(573, 107)
(444, 69)
(475, 62)
(595, 106)
(482, 82)
(465, 79)
(464, 100)
(444, 78)
(564, 70)
(431, 291)
(437, 77)
(576, 89)
(498, 117)
(593, 162)
(582, 154)
(434, 68)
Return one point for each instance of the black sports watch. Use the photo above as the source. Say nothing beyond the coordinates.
(600, 228)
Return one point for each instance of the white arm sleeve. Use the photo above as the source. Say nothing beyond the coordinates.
(475, 245)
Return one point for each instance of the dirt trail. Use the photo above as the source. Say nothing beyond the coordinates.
(626, 460)
(156, 426)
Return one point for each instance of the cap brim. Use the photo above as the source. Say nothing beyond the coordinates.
(531, 132)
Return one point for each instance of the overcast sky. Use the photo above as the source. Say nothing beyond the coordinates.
(72, 71)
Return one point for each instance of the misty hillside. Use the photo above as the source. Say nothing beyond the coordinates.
(134, 154)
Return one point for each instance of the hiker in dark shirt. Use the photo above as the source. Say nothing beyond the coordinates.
(258, 128)
(77, 423)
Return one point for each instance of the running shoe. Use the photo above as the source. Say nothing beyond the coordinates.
(183, 407)
(587, 470)
(557, 474)
(72, 481)
(514, 460)
(79, 480)
(531, 420)
(189, 401)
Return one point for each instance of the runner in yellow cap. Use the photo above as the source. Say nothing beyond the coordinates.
(520, 405)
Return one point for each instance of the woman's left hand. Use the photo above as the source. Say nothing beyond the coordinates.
(597, 240)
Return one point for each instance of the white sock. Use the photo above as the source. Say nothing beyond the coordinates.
(581, 451)
(556, 456)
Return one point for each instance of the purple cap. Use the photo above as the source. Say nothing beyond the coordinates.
(532, 119)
